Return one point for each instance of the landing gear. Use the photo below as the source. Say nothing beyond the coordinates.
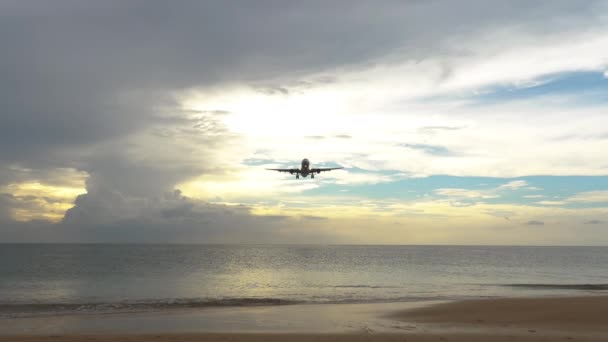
(298, 176)
(312, 175)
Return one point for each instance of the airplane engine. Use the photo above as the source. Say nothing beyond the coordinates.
(291, 172)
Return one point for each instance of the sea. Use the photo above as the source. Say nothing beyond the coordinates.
(51, 279)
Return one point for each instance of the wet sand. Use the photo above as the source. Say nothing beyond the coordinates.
(530, 319)
(303, 338)
(561, 314)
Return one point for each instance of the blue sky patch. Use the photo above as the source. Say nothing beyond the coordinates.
(536, 189)
(591, 87)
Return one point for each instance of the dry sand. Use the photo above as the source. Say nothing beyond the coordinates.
(534, 319)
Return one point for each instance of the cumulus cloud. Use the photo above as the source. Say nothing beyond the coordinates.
(112, 207)
(171, 217)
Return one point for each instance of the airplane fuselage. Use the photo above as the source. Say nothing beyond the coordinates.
(305, 169)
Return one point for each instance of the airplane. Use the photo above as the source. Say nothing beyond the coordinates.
(305, 170)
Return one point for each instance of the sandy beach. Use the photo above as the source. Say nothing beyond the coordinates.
(304, 337)
(511, 319)
(563, 314)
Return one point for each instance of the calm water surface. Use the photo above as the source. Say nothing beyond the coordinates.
(87, 278)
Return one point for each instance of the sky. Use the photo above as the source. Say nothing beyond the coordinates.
(469, 122)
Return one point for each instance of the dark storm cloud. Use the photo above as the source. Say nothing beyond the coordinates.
(6, 202)
(86, 85)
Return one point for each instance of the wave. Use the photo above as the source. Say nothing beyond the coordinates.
(561, 286)
(13, 310)
(41, 309)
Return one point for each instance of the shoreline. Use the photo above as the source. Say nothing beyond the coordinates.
(18, 310)
(514, 319)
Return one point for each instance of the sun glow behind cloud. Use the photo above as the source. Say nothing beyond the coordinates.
(39, 201)
(282, 116)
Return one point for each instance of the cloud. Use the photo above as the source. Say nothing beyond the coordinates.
(313, 218)
(436, 129)
(273, 90)
(481, 194)
(535, 223)
(513, 185)
(36, 201)
(464, 193)
(346, 177)
(6, 203)
(594, 222)
(429, 149)
(589, 197)
(173, 217)
(551, 202)
(173, 63)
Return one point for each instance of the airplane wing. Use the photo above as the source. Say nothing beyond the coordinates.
(286, 170)
(319, 170)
